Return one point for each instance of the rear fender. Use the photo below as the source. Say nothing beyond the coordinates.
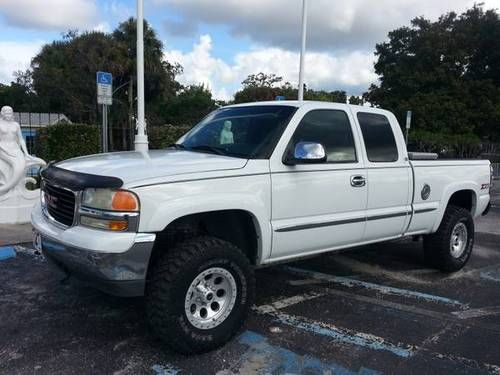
(447, 194)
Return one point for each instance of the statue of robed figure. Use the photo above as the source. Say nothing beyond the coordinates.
(15, 199)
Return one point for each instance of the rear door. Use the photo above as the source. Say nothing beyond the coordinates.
(314, 206)
(388, 174)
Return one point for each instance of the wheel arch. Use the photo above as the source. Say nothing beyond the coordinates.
(237, 226)
(464, 196)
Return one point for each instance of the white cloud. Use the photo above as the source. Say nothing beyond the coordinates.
(340, 25)
(200, 67)
(58, 15)
(351, 71)
(102, 27)
(118, 9)
(341, 38)
(16, 56)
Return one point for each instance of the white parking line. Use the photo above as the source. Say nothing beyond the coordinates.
(375, 269)
(290, 301)
(455, 317)
(338, 334)
(366, 340)
(349, 282)
(477, 313)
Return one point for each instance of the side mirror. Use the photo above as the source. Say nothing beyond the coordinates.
(307, 153)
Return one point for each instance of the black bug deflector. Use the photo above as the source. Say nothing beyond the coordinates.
(78, 180)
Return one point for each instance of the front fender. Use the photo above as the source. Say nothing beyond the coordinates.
(163, 204)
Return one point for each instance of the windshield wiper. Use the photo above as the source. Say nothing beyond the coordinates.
(212, 149)
(177, 146)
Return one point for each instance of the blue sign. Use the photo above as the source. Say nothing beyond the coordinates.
(280, 97)
(104, 88)
(104, 78)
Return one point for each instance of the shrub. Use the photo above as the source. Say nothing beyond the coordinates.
(163, 136)
(65, 141)
(462, 146)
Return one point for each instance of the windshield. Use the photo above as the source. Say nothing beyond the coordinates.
(246, 132)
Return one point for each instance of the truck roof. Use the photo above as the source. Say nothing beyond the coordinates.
(294, 103)
(312, 103)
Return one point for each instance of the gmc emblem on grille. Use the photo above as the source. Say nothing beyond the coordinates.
(51, 200)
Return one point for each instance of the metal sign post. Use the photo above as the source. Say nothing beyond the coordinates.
(104, 97)
(408, 124)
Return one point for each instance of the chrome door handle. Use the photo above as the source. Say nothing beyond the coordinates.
(358, 181)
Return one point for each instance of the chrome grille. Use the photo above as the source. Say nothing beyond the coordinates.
(59, 203)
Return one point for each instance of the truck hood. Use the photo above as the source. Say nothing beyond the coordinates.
(133, 166)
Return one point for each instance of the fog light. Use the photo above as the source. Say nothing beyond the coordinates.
(117, 225)
(113, 225)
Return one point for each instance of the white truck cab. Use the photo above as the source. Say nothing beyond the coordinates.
(250, 185)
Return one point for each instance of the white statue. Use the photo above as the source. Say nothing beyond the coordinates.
(15, 200)
(226, 135)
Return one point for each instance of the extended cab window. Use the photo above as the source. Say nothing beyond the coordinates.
(332, 129)
(378, 136)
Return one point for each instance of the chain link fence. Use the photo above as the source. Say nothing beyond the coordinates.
(496, 170)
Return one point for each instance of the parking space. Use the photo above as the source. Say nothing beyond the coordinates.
(377, 309)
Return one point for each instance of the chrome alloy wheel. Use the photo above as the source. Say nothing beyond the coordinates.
(210, 298)
(458, 240)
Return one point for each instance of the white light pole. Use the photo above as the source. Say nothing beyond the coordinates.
(141, 139)
(303, 50)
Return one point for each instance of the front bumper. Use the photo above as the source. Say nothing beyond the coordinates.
(119, 270)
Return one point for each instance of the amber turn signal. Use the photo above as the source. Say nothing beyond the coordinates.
(124, 201)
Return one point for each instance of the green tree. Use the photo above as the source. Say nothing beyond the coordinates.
(189, 106)
(259, 87)
(356, 100)
(447, 72)
(20, 94)
(64, 73)
(159, 75)
(64, 77)
(262, 87)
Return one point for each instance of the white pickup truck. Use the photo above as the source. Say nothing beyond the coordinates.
(250, 185)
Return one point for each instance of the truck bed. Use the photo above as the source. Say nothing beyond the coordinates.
(442, 177)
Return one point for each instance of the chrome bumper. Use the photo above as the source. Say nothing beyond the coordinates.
(115, 263)
(120, 274)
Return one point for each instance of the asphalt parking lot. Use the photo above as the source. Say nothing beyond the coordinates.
(374, 310)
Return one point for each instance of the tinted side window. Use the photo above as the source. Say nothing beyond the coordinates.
(332, 129)
(378, 136)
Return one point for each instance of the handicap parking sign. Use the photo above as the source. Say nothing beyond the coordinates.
(104, 78)
(104, 88)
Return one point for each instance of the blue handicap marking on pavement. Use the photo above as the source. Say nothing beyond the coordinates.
(165, 369)
(278, 360)
(7, 252)
(104, 78)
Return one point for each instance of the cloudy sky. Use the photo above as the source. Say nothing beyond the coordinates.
(220, 42)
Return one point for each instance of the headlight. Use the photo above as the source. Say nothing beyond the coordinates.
(110, 200)
(114, 210)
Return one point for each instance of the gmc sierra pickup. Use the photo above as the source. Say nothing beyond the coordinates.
(250, 185)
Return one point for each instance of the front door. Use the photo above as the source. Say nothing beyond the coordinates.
(318, 207)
